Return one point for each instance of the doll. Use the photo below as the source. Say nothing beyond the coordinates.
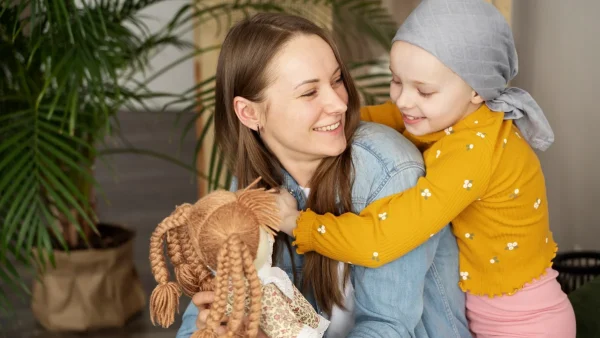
(224, 243)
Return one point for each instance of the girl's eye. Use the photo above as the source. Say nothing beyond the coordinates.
(425, 94)
(396, 82)
(311, 93)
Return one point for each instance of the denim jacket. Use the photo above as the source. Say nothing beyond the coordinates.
(414, 296)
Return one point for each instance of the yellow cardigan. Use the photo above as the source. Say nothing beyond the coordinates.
(481, 176)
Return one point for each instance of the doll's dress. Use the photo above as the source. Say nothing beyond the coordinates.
(285, 312)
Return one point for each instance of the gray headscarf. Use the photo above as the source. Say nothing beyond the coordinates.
(474, 40)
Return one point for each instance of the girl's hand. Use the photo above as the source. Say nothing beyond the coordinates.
(288, 211)
(203, 300)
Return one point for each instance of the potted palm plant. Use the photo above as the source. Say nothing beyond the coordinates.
(66, 70)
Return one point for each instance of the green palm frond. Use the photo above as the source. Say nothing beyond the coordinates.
(372, 80)
(38, 163)
(355, 23)
(65, 71)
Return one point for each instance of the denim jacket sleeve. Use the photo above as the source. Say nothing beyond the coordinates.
(388, 299)
(188, 322)
(379, 311)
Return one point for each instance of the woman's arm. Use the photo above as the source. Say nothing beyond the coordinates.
(392, 226)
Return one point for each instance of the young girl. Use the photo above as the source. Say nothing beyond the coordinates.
(451, 61)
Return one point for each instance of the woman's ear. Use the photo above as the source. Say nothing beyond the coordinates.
(247, 112)
(475, 98)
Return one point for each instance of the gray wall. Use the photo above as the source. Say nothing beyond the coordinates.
(559, 57)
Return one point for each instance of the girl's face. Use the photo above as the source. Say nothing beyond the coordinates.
(430, 96)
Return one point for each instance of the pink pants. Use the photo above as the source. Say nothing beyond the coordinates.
(540, 309)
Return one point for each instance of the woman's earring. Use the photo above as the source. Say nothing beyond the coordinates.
(258, 129)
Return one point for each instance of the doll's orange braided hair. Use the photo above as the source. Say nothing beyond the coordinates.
(220, 231)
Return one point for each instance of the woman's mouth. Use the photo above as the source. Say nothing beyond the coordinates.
(330, 127)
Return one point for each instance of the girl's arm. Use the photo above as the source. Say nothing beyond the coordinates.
(390, 227)
(387, 114)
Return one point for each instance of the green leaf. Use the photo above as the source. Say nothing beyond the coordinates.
(218, 169)
(14, 115)
(58, 202)
(61, 145)
(76, 167)
(30, 218)
(212, 166)
(179, 61)
(61, 64)
(44, 211)
(13, 179)
(67, 191)
(205, 130)
(384, 85)
(22, 124)
(16, 150)
(45, 243)
(192, 123)
(52, 170)
(373, 76)
(17, 198)
(13, 283)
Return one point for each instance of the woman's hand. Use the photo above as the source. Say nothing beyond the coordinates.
(288, 211)
(203, 300)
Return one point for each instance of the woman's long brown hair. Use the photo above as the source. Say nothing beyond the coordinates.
(242, 70)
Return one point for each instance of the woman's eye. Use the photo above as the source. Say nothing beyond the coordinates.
(425, 94)
(311, 93)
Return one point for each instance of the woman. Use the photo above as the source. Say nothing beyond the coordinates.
(287, 111)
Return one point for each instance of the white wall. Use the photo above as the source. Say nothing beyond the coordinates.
(559, 57)
(181, 77)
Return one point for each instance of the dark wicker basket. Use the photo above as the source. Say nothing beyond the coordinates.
(576, 268)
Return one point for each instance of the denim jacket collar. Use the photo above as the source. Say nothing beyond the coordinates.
(290, 184)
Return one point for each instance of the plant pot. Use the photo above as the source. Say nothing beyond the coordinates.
(90, 288)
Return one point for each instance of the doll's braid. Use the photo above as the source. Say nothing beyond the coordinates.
(185, 275)
(212, 237)
(238, 283)
(255, 292)
(164, 300)
(235, 266)
(191, 273)
(217, 310)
